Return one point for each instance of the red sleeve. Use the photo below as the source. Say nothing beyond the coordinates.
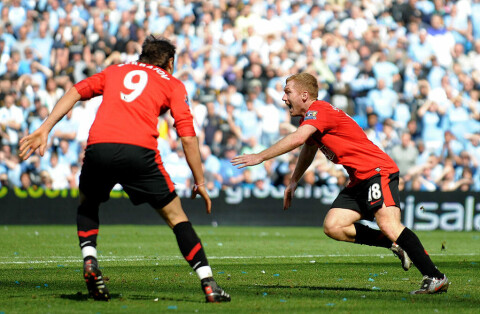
(319, 115)
(180, 111)
(309, 140)
(92, 86)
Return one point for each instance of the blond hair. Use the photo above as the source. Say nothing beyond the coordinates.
(305, 82)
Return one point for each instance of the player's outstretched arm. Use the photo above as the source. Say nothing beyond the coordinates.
(39, 138)
(283, 146)
(192, 154)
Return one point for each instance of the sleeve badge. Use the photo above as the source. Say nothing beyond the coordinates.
(311, 115)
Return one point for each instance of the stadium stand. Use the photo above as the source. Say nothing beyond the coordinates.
(407, 71)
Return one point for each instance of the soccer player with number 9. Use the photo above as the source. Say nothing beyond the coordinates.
(122, 148)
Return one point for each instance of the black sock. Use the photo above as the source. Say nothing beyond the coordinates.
(190, 245)
(87, 223)
(368, 236)
(415, 250)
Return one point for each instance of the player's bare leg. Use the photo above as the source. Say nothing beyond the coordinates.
(388, 219)
(173, 213)
(192, 249)
(341, 224)
(338, 224)
(389, 222)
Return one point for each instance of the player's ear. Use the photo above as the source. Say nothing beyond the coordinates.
(169, 68)
(305, 96)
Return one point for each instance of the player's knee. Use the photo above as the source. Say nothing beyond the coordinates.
(327, 231)
(332, 231)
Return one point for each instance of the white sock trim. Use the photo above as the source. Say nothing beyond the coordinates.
(204, 272)
(89, 251)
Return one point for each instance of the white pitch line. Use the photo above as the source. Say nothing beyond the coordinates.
(108, 258)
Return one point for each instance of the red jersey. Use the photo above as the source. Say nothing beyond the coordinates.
(134, 95)
(343, 142)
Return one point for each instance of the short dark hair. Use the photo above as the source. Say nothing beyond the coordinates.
(157, 51)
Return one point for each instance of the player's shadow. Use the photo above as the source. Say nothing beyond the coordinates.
(142, 297)
(85, 297)
(327, 288)
(137, 297)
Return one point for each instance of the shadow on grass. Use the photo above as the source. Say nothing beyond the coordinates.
(142, 297)
(137, 297)
(327, 288)
(85, 297)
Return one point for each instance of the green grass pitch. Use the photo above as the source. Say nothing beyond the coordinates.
(265, 270)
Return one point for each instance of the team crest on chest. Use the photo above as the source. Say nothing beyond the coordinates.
(311, 115)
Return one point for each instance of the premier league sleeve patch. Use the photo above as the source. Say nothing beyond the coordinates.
(311, 115)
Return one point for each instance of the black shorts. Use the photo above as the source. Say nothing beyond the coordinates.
(139, 170)
(367, 196)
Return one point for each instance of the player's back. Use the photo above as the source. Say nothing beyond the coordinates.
(134, 95)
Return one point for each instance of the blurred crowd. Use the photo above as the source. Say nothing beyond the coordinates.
(407, 71)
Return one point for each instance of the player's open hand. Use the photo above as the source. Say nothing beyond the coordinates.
(246, 160)
(30, 143)
(288, 196)
(202, 191)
